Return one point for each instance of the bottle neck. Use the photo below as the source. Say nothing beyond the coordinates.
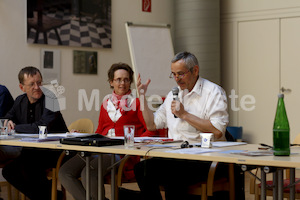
(281, 121)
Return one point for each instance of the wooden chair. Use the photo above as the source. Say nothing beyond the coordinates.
(205, 188)
(255, 188)
(83, 125)
(211, 185)
(208, 187)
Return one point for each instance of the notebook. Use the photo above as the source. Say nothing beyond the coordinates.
(92, 140)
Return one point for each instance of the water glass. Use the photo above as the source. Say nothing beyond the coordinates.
(129, 136)
(3, 126)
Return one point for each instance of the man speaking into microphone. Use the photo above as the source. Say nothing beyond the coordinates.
(194, 106)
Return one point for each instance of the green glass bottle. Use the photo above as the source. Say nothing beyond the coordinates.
(281, 130)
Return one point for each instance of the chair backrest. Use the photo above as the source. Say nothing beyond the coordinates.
(228, 136)
(297, 139)
(236, 132)
(84, 125)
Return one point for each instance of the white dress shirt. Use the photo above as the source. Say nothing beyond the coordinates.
(206, 101)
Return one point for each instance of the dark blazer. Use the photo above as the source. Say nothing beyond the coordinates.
(42, 116)
(6, 100)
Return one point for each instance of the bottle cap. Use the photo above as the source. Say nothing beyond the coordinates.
(280, 95)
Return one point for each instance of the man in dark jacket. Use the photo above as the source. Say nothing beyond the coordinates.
(27, 172)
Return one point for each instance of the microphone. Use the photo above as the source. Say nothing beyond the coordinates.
(175, 92)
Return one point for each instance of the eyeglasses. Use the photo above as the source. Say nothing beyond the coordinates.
(31, 85)
(179, 75)
(119, 81)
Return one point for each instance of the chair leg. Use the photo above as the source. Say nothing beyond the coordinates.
(9, 196)
(257, 192)
(116, 188)
(203, 192)
(54, 185)
(16, 193)
(23, 197)
(231, 182)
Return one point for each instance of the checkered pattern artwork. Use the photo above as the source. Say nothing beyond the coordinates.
(83, 31)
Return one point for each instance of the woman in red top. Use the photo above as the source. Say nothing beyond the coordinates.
(118, 109)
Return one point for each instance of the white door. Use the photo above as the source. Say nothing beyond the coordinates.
(258, 77)
(290, 71)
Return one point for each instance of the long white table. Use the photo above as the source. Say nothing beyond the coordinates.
(292, 161)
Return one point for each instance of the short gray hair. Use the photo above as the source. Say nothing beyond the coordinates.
(188, 59)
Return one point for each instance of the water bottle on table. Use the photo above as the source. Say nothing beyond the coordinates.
(281, 130)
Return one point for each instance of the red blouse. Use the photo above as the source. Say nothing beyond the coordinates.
(128, 118)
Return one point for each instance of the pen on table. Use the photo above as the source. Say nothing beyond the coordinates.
(174, 141)
(265, 145)
(295, 144)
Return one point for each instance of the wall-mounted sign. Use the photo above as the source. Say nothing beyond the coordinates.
(146, 6)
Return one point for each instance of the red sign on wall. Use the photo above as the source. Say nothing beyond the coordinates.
(146, 5)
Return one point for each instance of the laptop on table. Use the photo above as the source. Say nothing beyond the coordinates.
(92, 140)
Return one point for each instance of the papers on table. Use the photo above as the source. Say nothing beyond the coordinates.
(160, 145)
(255, 153)
(36, 139)
(196, 150)
(50, 137)
(193, 150)
(227, 144)
(6, 137)
(161, 140)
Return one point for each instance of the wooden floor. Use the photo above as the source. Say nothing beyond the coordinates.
(134, 186)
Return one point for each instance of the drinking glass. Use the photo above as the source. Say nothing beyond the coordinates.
(129, 136)
(3, 126)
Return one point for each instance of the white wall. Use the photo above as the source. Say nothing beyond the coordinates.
(198, 31)
(15, 53)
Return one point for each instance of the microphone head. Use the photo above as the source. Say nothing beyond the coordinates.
(175, 90)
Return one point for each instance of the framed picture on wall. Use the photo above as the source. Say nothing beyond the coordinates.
(50, 65)
(85, 62)
(78, 23)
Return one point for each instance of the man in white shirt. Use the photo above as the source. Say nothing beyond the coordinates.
(201, 108)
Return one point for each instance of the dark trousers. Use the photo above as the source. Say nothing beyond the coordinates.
(28, 174)
(174, 175)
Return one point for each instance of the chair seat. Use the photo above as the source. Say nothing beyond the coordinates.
(286, 182)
